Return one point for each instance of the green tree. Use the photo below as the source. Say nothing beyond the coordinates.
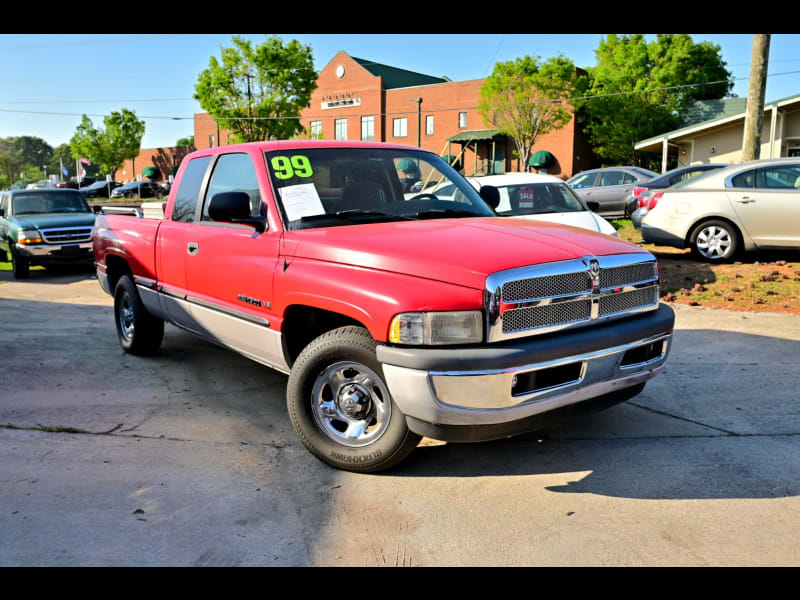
(109, 148)
(638, 90)
(258, 92)
(62, 155)
(185, 142)
(527, 98)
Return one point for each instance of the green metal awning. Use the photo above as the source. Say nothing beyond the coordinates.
(542, 158)
(150, 172)
(477, 135)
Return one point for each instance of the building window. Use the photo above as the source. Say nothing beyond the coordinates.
(316, 130)
(462, 120)
(211, 141)
(340, 129)
(429, 125)
(367, 128)
(401, 127)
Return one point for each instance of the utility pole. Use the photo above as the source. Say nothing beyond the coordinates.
(419, 120)
(754, 117)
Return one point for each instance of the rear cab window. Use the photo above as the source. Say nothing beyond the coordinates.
(188, 192)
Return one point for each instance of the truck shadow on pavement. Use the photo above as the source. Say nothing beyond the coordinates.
(53, 275)
(721, 422)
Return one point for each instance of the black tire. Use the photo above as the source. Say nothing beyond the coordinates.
(19, 266)
(139, 332)
(336, 389)
(715, 241)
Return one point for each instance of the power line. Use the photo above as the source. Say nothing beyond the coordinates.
(386, 114)
(83, 42)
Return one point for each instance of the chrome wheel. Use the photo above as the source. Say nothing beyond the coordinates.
(351, 404)
(714, 242)
(126, 317)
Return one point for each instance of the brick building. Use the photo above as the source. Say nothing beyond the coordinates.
(357, 99)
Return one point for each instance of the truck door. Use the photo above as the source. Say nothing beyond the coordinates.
(229, 268)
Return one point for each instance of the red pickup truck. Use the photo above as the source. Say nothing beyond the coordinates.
(396, 314)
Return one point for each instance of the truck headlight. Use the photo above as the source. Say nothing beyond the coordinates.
(437, 328)
(29, 236)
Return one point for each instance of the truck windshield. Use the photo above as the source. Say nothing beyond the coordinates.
(537, 199)
(327, 187)
(42, 202)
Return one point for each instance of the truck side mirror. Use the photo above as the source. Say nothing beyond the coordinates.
(234, 207)
(490, 195)
(2, 212)
(593, 205)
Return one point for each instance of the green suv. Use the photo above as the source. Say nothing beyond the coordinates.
(45, 227)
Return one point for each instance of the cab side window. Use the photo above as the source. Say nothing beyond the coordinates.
(189, 190)
(234, 173)
(4, 204)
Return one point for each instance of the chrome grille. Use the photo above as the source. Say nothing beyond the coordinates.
(622, 276)
(549, 297)
(625, 301)
(547, 315)
(550, 286)
(67, 235)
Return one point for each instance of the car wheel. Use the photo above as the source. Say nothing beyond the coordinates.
(19, 266)
(340, 407)
(139, 332)
(715, 241)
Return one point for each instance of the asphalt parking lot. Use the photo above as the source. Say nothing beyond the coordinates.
(188, 458)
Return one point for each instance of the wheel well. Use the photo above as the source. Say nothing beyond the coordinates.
(693, 229)
(301, 324)
(116, 267)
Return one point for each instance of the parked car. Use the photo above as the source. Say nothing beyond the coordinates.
(142, 189)
(542, 198)
(74, 184)
(749, 206)
(610, 187)
(99, 189)
(38, 185)
(641, 192)
(45, 227)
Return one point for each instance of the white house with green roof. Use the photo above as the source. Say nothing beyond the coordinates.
(713, 131)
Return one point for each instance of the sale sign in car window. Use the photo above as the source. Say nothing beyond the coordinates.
(526, 198)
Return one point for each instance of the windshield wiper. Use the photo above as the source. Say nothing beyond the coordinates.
(350, 215)
(446, 214)
(371, 213)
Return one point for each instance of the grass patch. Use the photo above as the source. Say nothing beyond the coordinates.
(758, 281)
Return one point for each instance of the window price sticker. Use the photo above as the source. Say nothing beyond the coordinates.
(301, 201)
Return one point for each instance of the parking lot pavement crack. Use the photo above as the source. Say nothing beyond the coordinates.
(684, 419)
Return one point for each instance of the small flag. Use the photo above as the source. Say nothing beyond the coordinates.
(86, 161)
(63, 168)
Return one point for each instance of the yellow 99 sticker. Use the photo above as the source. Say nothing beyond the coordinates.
(286, 167)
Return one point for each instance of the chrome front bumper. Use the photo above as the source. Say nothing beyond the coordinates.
(528, 379)
(55, 252)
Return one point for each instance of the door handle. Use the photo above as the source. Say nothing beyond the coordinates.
(193, 248)
(745, 200)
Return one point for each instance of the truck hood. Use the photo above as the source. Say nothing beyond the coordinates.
(52, 220)
(460, 251)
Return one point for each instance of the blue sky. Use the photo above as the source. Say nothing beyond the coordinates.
(155, 74)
